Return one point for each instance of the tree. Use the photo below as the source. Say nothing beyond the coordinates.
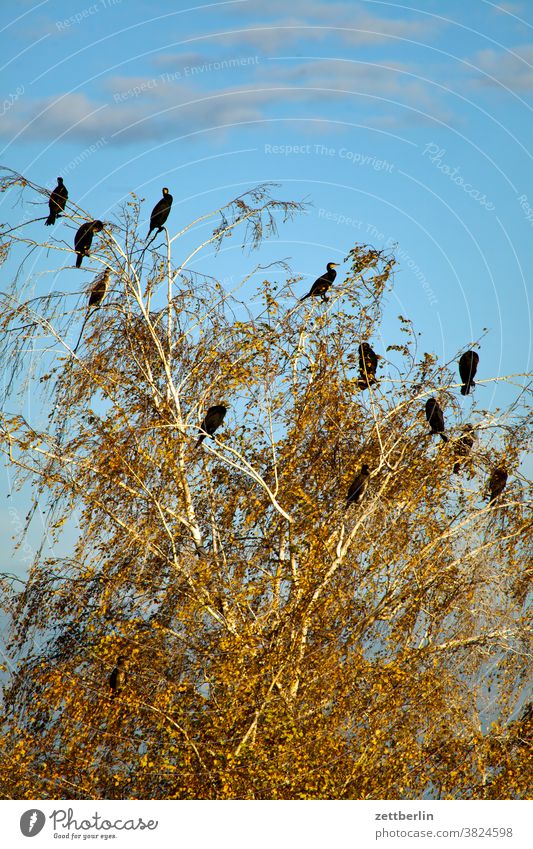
(279, 645)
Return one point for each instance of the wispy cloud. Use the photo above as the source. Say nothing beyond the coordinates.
(75, 117)
(512, 68)
(509, 8)
(172, 60)
(315, 21)
(166, 105)
(395, 80)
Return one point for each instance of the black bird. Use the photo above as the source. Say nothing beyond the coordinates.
(463, 446)
(96, 296)
(160, 212)
(467, 370)
(497, 484)
(57, 202)
(212, 420)
(358, 486)
(84, 237)
(526, 714)
(435, 417)
(322, 284)
(368, 363)
(99, 289)
(118, 677)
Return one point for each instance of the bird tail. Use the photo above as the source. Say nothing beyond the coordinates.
(200, 440)
(443, 437)
(305, 296)
(50, 220)
(456, 468)
(78, 260)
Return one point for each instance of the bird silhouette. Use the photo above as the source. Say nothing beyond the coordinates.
(463, 446)
(526, 714)
(435, 417)
(368, 363)
(358, 486)
(118, 677)
(160, 212)
(467, 369)
(84, 237)
(57, 202)
(497, 484)
(212, 420)
(322, 284)
(96, 296)
(99, 289)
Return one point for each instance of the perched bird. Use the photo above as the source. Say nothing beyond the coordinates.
(212, 420)
(84, 237)
(160, 212)
(526, 714)
(57, 202)
(322, 284)
(99, 288)
(96, 296)
(118, 677)
(463, 446)
(368, 363)
(358, 486)
(435, 417)
(497, 484)
(467, 370)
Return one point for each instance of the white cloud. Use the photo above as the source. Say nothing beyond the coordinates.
(172, 112)
(178, 60)
(173, 102)
(509, 8)
(512, 68)
(396, 80)
(316, 21)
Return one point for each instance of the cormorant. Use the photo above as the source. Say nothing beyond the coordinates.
(84, 237)
(160, 212)
(322, 284)
(96, 296)
(526, 714)
(467, 370)
(368, 363)
(118, 677)
(497, 484)
(57, 202)
(435, 417)
(99, 288)
(212, 420)
(463, 446)
(358, 486)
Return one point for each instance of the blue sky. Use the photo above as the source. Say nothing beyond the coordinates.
(401, 123)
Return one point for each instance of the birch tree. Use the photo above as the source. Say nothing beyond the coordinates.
(278, 643)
